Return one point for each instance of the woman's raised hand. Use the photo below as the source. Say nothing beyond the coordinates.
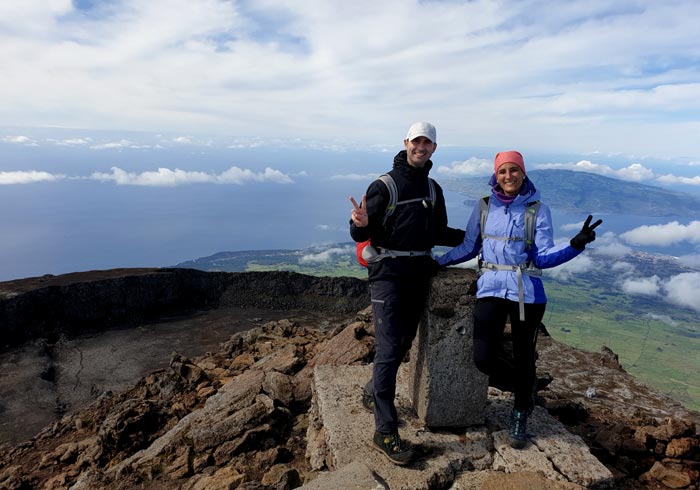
(586, 235)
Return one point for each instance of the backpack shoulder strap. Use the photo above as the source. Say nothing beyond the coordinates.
(393, 195)
(530, 223)
(483, 213)
(530, 219)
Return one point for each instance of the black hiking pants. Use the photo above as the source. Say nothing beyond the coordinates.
(490, 316)
(397, 307)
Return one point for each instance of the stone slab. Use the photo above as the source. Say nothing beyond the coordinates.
(349, 428)
(340, 431)
(354, 476)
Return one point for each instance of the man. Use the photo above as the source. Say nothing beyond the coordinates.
(400, 276)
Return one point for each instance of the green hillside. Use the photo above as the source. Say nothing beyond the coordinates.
(586, 315)
(571, 191)
(655, 341)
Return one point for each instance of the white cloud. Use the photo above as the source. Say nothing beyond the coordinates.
(235, 175)
(662, 318)
(326, 255)
(608, 245)
(612, 250)
(19, 140)
(623, 268)
(663, 235)
(683, 290)
(471, 167)
(635, 172)
(19, 177)
(324, 227)
(674, 179)
(572, 227)
(117, 145)
(161, 177)
(168, 178)
(579, 265)
(647, 286)
(691, 260)
(357, 177)
(621, 77)
(73, 142)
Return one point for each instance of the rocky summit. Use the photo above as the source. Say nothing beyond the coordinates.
(276, 405)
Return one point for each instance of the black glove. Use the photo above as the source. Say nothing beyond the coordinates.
(586, 235)
(433, 267)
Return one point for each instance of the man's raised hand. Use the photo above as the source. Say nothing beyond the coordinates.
(359, 213)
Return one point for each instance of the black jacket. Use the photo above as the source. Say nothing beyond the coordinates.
(413, 226)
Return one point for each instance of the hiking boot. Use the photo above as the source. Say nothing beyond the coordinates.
(368, 401)
(518, 429)
(391, 446)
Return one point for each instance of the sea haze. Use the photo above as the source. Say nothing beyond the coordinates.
(76, 223)
(80, 225)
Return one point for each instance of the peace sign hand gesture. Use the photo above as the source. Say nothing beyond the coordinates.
(359, 213)
(586, 235)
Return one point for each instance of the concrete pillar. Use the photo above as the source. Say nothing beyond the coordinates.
(445, 387)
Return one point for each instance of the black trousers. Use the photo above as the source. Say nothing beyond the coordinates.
(490, 315)
(397, 307)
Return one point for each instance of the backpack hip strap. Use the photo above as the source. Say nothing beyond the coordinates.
(519, 271)
(386, 252)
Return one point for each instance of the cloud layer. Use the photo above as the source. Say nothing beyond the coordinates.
(635, 172)
(163, 177)
(30, 177)
(169, 178)
(603, 76)
(664, 235)
(680, 289)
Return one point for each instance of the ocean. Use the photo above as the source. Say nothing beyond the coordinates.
(77, 224)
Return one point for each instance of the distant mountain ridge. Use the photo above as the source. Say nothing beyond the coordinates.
(568, 190)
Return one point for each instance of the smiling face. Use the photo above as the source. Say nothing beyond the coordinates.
(419, 150)
(510, 177)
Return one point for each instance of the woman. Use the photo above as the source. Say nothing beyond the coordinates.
(513, 232)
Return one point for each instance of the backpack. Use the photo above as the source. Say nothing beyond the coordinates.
(530, 219)
(363, 250)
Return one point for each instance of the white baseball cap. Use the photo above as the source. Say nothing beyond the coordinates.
(421, 129)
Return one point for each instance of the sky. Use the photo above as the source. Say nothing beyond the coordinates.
(596, 77)
(183, 93)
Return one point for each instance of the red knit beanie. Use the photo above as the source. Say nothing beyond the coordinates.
(508, 157)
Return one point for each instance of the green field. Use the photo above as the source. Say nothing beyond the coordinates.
(586, 316)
